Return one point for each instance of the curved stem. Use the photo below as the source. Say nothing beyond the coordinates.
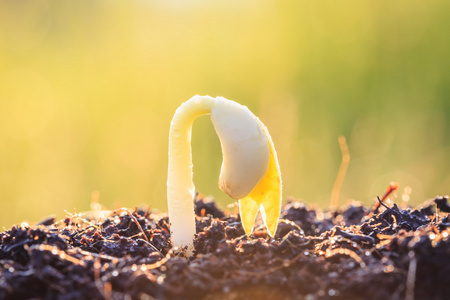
(180, 186)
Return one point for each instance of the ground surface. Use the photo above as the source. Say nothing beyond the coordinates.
(356, 253)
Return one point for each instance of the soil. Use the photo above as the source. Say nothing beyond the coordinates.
(353, 253)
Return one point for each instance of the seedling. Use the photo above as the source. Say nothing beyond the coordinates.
(250, 172)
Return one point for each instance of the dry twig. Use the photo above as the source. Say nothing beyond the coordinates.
(341, 173)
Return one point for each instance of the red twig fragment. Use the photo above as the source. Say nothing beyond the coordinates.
(393, 186)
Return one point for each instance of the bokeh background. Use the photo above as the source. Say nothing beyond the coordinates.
(88, 89)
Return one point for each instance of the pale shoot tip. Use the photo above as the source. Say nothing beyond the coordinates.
(250, 170)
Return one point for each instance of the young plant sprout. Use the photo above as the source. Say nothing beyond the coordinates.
(249, 173)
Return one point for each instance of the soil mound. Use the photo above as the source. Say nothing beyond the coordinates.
(354, 253)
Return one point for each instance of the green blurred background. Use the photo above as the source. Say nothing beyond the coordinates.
(88, 89)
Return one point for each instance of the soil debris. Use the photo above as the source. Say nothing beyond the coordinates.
(353, 253)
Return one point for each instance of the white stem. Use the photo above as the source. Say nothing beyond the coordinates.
(180, 186)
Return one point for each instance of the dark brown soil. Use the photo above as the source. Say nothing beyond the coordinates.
(348, 254)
